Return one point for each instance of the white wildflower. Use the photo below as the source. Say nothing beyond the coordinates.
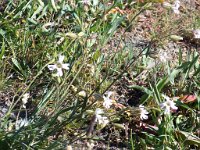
(107, 101)
(175, 7)
(196, 33)
(98, 112)
(85, 2)
(143, 113)
(99, 118)
(168, 105)
(25, 98)
(103, 120)
(59, 66)
(21, 123)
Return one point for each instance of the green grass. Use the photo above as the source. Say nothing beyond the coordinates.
(61, 110)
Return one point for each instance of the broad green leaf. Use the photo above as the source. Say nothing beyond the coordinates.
(115, 24)
(191, 65)
(162, 83)
(188, 138)
(2, 32)
(143, 89)
(145, 98)
(44, 101)
(16, 63)
(173, 75)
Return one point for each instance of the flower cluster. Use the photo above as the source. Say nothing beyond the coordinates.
(167, 106)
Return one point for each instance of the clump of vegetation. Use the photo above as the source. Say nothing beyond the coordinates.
(96, 74)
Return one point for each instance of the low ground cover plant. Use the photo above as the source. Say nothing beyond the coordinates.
(97, 74)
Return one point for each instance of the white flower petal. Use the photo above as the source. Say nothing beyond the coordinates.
(162, 105)
(103, 120)
(52, 67)
(107, 101)
(166, 97)
(59, 66)
(85, 2)
(65, 66)
(59, 72)
(168, 105)
(176, 6)
(167, 110)
(109, 94)
(25, 98)
(98, 111)
(173, 106)
(141, 106)
(99, 118)
(196, 33)
(176, 11)
(21, 123)
(143, 113)
(61, 58)
(143, 117)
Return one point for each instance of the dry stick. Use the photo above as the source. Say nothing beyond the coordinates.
(91, 126)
